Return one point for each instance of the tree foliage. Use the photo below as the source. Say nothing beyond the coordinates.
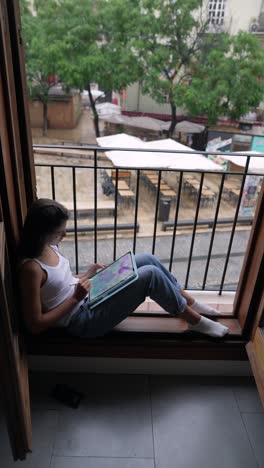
(118, 22)
(164, 44)
(87, 41)
(226, 79)
(169, 39)
(39, 57)
(209, 74)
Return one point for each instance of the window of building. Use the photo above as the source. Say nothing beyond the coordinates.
(216, 12)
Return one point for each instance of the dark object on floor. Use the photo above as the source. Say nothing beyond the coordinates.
(67, 395)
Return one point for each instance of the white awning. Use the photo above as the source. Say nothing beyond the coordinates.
(189, 127)
(96, 93)
(106, 110)
(146, 123)
(255, 165)
(120, 140)
(180, 161)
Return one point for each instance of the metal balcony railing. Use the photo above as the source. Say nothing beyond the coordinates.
(190, 218)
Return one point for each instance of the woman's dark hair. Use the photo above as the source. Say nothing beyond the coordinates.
(44, 217)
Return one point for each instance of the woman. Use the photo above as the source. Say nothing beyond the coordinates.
(52, 296)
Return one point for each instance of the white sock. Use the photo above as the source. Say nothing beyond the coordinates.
(209, 327)
(202, 308)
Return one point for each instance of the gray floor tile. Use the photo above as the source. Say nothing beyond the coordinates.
(254, 423)
(44, 427)
(198, 425)
(114, 419)
(247, 396)
(91, 462)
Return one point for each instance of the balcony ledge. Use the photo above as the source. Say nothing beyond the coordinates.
(151, 333)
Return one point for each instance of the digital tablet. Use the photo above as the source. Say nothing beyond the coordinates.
(113, 279)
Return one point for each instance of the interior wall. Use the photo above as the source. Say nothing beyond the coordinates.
(138, 366)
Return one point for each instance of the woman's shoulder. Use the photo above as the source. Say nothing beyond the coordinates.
(29, 265)
(31, 274)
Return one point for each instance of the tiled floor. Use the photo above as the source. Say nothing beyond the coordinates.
(140, 421)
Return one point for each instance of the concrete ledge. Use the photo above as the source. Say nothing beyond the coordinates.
(86, 208)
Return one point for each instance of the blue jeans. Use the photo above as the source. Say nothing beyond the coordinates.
(154, 280)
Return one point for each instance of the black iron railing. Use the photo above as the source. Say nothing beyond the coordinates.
(170, 240)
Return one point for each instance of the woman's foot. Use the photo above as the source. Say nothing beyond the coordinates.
(202, 308)
(201, 324)
(199, 307)
(208, 327)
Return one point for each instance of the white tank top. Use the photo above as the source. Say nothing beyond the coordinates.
(56, 288)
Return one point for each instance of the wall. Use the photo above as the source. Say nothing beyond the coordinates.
(62, 113)
(35, 113)
(138, 366)
(76, 108)
(137, 102)
(242, 13)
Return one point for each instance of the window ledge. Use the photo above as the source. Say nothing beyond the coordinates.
(151, 333)
(139, 337)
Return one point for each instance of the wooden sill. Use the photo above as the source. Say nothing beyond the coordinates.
(150, 307)
(139, 337)
(149, 333)
(169, 325)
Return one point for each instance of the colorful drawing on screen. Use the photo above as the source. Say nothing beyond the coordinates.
(110, 277)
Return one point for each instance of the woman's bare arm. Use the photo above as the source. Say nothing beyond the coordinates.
(31, 278)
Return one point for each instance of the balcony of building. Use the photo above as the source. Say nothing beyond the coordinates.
(191, 219)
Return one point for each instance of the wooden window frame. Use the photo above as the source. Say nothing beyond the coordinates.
(17, 182)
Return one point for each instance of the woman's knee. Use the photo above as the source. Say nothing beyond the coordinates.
(147, 274)
(146, 259)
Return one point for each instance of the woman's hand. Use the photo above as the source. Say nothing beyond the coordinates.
(92, 269)
(82, 288)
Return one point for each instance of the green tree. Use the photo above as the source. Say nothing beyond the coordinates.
(227, 78)
(209, 74)
(118, 23)
(76, 39)
(168, 40)
(39, 57)
(89, 42)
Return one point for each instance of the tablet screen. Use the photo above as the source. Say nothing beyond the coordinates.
(112, 276)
